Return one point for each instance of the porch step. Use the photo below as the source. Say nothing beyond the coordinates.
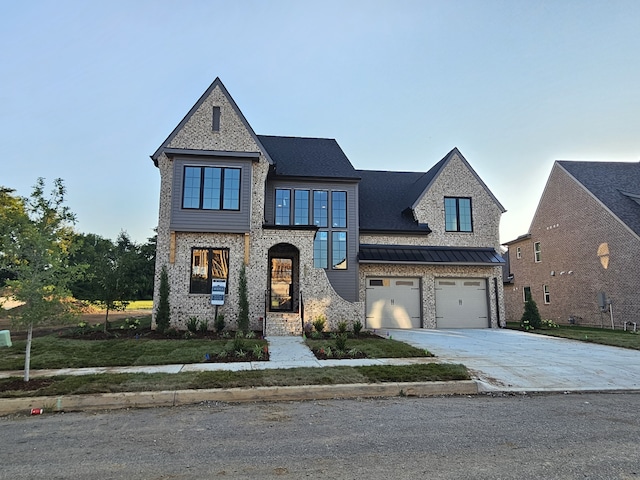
(283, 324)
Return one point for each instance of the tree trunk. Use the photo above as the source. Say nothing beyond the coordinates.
(106, 320)
(27, 354)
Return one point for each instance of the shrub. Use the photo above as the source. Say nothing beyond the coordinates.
(192, 324)
(342, 327)
(238, 342)
(531, 317)
(549, 324)
(341, 342)
(163, 313)
(258, 352)
(203, 326)
(319, 323)
(219, 323)
(357, 327)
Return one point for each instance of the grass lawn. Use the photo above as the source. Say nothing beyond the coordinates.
(373, 347)
(106, 383)
(603, 336)
(52, 351)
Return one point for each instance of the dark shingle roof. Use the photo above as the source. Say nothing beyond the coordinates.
(386, 198)
(613, 183)
(308, 157)
(429, 255)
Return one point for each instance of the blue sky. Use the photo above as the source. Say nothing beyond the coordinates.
(91, 89)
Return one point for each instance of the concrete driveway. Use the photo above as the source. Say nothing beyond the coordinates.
(508, 360)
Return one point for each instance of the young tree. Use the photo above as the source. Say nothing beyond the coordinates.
(38, 248)
(243, 301)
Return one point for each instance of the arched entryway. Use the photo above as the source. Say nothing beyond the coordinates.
(284, 286)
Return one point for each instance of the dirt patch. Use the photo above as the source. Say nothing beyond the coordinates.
(19, 385)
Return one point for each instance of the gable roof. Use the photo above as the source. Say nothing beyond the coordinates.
(308, 157)
(437, 169)
(615, 184)
(217, 83)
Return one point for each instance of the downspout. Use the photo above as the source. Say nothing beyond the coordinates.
(495, 284)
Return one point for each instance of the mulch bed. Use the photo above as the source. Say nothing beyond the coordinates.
(18, 384)
(321, 355)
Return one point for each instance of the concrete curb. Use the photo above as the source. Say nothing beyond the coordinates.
(112, 401)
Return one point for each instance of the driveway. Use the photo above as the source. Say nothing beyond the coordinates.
(508, 360)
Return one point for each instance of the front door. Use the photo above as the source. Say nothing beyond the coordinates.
(281, 284)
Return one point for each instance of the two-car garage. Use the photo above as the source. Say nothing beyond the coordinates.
(395, 302)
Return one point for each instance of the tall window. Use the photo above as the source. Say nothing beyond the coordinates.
(518, 252)
(537, 252)
(526, 294)
(457, 214)
(208, 264)
(211, 188)
(320, 208)
(339, 250)
(283, 205)
(339, 209)
(301, 206)
(321, 250)
(547, 296)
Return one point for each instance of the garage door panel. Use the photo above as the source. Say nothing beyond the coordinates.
(393, 302)
(461, 303)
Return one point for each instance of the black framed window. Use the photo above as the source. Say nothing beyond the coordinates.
(211, 188)
(339, 209)
(301, 207)
(320, 208)
(283, 207)
(339, 250)
(321, 250)
(208, 264)
(457, 214)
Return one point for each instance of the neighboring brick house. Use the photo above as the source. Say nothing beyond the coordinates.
(317, 237)
(584, 241)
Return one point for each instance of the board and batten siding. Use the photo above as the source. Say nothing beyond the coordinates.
(344, 282)
(223, 221)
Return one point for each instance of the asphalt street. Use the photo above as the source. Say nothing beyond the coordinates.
(496, 436)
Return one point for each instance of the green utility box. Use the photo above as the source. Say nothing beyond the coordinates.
(5, 338)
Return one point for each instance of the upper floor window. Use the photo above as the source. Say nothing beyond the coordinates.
(321, 250)
(283, 207)
(339, 250)
(208, 264)
(320, 208)
(301, 206)
(339, 209)
(211, 188)
(536, 252)
(457, 214)
(518, 252)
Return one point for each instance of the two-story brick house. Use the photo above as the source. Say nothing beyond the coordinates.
(583, 247)
(318, 237)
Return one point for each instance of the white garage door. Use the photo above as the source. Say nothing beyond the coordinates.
(461, 303)
(393, 302)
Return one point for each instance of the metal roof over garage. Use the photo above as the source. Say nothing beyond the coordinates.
(429, 255)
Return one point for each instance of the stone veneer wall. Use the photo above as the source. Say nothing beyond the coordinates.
(456, 180)
(428, 274)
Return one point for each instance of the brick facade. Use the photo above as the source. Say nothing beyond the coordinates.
(575, 232)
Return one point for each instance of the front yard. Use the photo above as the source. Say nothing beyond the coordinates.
(603, 336)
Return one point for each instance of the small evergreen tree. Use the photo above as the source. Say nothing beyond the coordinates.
(243, 301)
(531, 316)
(163, 314)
